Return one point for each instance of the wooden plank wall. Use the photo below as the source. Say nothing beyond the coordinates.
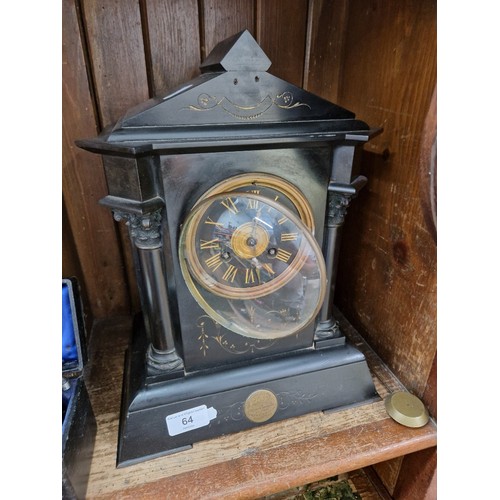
(375, 57)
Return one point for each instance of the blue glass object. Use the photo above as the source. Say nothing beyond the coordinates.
(69, 349)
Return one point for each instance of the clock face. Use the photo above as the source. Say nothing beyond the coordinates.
(252, 264)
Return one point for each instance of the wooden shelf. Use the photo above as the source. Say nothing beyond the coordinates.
(249, 464)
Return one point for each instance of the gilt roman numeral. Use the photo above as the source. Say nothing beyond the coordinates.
(214, 262)
(253, 204)
(230, 205)
(230, 273)
(271, 208)
(204, 245)
(249, 276)
(289, 236)
(283, 255)
(210, 221)
(268, 268)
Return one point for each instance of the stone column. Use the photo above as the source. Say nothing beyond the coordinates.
(145, 233)
(339, 198)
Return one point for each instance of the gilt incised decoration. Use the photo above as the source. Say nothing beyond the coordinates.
(206, 102)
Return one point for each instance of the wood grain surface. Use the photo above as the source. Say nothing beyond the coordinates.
(118, 63)
(114, 31)
(418, 476)
(326, 33)
(258, 462)
(221, 19)
(172, 38)
(281, 32)
(96, 242)
(387, 272)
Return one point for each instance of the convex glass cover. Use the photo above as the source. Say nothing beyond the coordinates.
(252, 264)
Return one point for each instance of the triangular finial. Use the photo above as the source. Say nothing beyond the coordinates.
(239, 52)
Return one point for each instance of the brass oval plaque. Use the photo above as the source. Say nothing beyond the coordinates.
(260, 406)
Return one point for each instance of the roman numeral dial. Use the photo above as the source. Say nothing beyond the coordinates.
(245, 245)
(249, 260)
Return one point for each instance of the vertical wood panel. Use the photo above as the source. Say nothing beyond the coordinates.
(92, 226)
(430, 395)
(114, 30)
(117, 50)
(417, 471)
(418, 476)
(387, 273)
(326, 36)
(70, 263)
(71, 268)
(388, 472)
(223, 18)
(174, 42)
(387, 277)
(281, 32)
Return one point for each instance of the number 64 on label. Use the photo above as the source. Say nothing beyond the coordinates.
(188, 420)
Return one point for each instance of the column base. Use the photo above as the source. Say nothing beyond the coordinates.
(165, 361)
(327, 330)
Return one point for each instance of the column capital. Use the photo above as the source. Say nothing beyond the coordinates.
(337, 208)
(145, 229)
(339, 198)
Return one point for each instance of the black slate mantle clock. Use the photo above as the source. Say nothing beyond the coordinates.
(234, 187)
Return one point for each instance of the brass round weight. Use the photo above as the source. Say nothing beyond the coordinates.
(260, 406)
(406, 409)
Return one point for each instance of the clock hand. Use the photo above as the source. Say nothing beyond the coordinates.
(254, 235)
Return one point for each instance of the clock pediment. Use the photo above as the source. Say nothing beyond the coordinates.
(233, 99)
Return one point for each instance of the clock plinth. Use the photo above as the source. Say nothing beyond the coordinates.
(234, 188)
(151, 422)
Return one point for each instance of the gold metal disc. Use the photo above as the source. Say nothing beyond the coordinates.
(260, 406)
(240, 241)
(406, 409)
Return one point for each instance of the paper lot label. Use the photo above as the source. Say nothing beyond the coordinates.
(188, 420)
